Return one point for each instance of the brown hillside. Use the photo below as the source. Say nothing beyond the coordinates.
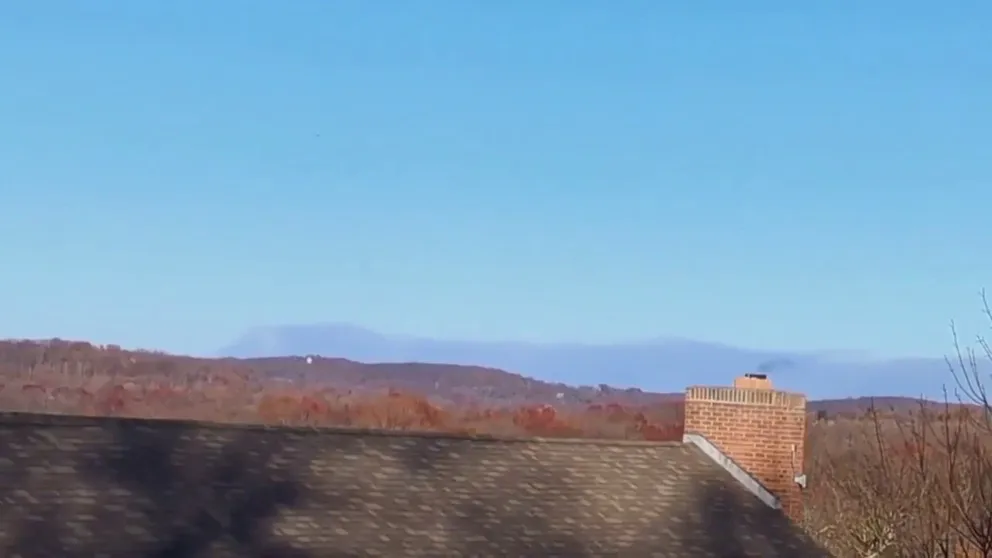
(80, 378)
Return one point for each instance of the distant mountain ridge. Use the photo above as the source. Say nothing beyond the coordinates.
(62, 369)
(661, 366)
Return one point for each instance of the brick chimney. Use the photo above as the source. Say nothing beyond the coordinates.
(762, 430)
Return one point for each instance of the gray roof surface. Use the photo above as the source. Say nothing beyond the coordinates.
(75, 486)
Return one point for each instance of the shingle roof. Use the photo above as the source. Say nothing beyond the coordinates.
(74, 486)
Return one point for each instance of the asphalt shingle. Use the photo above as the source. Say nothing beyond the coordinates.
(77, 486)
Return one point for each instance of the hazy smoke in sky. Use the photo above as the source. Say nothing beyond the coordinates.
(769, 366)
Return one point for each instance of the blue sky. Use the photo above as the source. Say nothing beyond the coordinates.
(766, 174)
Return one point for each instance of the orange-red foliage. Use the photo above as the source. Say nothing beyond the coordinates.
(83, 379)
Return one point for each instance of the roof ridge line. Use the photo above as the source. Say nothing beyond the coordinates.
(66, 419)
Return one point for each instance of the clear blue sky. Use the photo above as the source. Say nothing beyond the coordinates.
(767, 174)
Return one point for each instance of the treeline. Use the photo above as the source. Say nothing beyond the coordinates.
(79, 378)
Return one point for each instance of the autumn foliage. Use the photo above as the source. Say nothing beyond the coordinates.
(78, 378)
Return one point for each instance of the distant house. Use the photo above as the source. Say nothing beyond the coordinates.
(75, 486)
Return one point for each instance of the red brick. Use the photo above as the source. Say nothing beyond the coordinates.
(761, 429)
